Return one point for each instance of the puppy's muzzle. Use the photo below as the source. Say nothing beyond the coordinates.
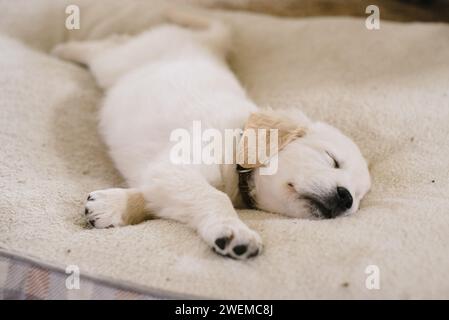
(336, 204)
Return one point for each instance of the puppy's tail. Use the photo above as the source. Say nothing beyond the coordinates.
(214, 33)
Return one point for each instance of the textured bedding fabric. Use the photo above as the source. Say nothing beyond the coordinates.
(22, 279)
(387, 89)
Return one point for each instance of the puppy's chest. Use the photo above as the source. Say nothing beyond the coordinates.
(214, 177)
(225, 179)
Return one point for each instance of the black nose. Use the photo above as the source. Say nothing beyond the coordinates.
(344, 198)
(335, 204)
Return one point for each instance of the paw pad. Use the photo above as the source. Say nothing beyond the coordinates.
(240, 249)
(222, 242)
(241, 243)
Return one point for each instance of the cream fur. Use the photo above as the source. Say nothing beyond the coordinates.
(164, 79)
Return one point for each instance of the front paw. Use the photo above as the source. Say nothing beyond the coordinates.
(105, 208)
(235, 240)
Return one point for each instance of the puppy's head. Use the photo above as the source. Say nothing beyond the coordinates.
(320, 174)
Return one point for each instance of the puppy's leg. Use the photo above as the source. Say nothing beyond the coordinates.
(115, 207)
(180, 194)
(213, 33)
(84, 52)
(183, 194)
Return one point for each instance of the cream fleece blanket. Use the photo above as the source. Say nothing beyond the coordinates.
(388, 89)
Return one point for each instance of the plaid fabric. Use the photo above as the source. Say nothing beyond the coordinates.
(20, 279)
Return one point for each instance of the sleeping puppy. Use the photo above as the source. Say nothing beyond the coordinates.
(167, 78)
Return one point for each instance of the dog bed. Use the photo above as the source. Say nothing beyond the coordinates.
(388, 89)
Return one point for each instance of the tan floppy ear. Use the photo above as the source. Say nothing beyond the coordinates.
(260, 129)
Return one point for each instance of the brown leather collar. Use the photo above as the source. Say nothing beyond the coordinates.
(244, 177)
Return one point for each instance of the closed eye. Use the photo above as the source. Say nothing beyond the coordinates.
(336, 163)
